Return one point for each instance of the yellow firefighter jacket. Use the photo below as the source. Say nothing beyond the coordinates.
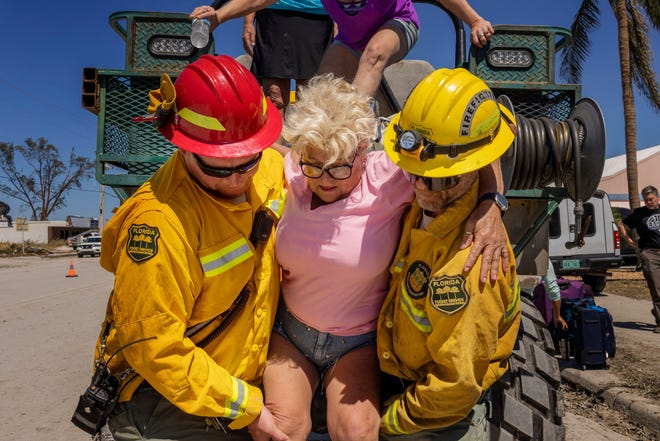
(181, 257)
(441, 328)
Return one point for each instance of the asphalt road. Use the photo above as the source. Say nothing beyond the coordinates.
(49, 324)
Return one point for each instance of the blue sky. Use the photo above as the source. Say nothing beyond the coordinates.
(44, 54)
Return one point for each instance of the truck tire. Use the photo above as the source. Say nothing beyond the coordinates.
(597, 283)
(527, 403)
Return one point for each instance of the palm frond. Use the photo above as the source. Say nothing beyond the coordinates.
(641, 55)
(585, 21)
(652, 10)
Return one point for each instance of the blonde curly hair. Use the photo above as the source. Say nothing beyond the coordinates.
(330, 117)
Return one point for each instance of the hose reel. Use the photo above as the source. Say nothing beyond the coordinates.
(568, 153)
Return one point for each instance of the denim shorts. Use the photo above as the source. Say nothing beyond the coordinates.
(321, 348)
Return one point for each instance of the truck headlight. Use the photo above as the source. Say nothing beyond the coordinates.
(169, 46)
(510, 57)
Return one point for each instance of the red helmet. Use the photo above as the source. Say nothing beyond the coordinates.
(221, 110)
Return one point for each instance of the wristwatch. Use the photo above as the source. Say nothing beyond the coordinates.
(496, 197)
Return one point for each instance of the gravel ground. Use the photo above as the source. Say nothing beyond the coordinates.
(578, 402)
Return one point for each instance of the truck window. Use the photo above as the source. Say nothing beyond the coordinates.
(555, 225)
(589, 214)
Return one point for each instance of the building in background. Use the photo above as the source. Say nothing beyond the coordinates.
(47, 231)
(615, 181)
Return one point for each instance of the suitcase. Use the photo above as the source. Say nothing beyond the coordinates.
(593, 337)
(568, 336)
(574, 289)
(570, 289)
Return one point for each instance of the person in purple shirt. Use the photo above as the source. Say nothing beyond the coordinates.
(372, 34)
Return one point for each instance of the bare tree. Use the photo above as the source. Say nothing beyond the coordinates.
(635, 60)
(48, 180)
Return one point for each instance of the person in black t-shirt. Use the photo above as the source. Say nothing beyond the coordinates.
(646, 221)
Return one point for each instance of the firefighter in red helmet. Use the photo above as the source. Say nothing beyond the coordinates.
(196, 281)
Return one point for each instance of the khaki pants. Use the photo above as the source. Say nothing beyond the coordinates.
(149, 416)
(471, 428)
(651, 268)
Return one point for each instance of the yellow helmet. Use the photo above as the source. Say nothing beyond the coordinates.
(451, 124)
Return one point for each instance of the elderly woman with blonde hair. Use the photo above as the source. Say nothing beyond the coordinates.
(335, 242)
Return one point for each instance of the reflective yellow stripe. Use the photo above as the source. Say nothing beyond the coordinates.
(226, 258)
(206, 122)
(277, 205)
(399, 265)
(392, 420)
(235, 406)
(515, 305)
(417, 316)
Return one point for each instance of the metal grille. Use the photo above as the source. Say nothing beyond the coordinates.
(538, 72)
(133, 148)
(553, 104)
(141, 59)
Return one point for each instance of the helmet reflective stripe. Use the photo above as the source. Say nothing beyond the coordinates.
(235, 406)
(221, 110)
(226, 258)
(418, 317)
(515, 304)
(471, 110)
(391, 420)
(206, 122)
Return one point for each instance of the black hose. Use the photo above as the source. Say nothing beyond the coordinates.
(544, 152)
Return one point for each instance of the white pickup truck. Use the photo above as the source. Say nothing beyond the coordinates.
(75, 241)
(600, 248)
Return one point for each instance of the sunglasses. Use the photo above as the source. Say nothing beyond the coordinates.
(222, 172)
(337, 172)
(437, 184)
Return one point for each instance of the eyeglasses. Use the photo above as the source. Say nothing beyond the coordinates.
(221, 172)
(337, 172)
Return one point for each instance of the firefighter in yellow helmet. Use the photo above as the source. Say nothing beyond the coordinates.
(443, 336)
(196, 281)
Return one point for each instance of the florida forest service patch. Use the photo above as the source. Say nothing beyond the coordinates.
(417, 279)
(448, 294)
(142, 242)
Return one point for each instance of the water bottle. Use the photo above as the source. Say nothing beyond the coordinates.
(199, 37)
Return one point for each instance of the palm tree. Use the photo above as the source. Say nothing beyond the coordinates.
(635, 58)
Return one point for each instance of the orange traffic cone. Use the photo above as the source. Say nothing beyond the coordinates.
(72, 272)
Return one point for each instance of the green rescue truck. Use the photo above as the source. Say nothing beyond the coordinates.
(561, 137)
